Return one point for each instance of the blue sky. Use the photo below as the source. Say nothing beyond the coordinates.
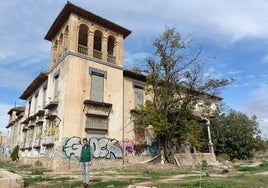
(233, 34)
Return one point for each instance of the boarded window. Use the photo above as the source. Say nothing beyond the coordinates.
(138, 94)
(97, 81)
(139, 133)
(97, 84)
(97, 123)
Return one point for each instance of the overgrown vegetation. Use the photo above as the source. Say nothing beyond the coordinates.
(176, 82)
(236, 135)
(37, 179)
(240, 176)
(15, 153)
(260, 168)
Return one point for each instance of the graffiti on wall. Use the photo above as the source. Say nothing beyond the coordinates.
(129, 148)
(100, 148)
(106, 148)
(71, 148)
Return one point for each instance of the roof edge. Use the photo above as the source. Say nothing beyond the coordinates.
(71, 8)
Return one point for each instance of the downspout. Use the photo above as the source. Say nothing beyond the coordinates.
(123, 123)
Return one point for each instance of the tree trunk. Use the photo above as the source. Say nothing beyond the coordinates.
(169, 152)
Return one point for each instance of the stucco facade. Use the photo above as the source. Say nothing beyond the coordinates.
(85, 93)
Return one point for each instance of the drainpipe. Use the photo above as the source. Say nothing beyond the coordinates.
(123, 122)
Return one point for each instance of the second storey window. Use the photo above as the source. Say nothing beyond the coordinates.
(56, 84)
(35, 102)
(29, 107)
(138, 94)
(83, 39)
(44, 95)
(97, 84)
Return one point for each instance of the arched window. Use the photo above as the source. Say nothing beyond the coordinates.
(82, 39)
(66, 33)
(61, 39)
(60, 44)
(55, 46)
(54, 53)
(110, 49)
(97, 44)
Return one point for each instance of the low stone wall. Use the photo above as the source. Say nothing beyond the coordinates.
(61, 164)
(10, 180)
(195, 159)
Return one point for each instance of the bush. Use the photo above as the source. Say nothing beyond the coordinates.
(15, 153)
(38, 163)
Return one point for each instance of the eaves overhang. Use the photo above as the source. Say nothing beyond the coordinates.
(134, 75)
(71, 8)
(36, 83)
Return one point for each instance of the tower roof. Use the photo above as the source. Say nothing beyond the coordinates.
(71, 8)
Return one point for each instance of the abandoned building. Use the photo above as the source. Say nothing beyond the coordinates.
(86, 92)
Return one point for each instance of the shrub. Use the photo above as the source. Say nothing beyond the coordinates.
(15, 153)
(38, 163)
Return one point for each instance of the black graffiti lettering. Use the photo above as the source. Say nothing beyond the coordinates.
(100, 147)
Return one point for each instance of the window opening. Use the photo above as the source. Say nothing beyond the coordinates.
(97, 44)
(138, 94)
(83, 39)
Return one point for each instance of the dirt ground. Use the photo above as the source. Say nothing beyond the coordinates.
(106, 173)
(224, 170)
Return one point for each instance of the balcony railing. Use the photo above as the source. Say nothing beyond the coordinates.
(82, 49)
(111, 58)
(49, 141)
(97, 54)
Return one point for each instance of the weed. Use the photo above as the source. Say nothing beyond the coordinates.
(261, 168)
(37, 172)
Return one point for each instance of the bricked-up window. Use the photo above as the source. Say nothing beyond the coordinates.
(97, 84)
(138, 94)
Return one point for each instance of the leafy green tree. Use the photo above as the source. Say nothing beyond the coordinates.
(175, 80)
(236, 135)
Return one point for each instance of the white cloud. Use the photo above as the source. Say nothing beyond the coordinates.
(230, 21)
(265, 59)
(23, 25)
(235, 72)
(135, 59)
(258, 105)
(4, 108)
